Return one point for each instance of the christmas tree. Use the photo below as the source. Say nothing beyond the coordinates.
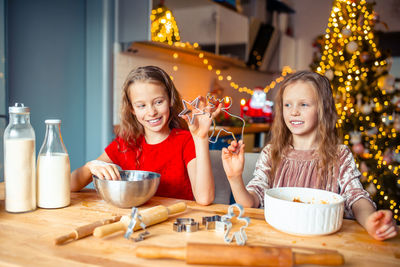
(366, 100)
(163, 25)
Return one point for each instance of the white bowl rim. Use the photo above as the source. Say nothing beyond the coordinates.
(340, 200)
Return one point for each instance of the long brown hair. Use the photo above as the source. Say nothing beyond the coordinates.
(327, 135)
(130, 128)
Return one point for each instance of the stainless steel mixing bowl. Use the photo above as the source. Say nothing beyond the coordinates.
(134, 188)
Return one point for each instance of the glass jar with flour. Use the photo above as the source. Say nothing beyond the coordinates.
(19, 161)
(53, 169)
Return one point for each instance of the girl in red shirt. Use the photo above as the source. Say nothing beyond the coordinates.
(152, 137)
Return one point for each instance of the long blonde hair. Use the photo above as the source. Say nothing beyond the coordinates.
(130, 128)
(326, 136)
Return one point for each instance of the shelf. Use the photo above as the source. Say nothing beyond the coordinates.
(190, 56)
(250, 128)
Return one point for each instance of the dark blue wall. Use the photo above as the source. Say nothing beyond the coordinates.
(3, 102)
(46, 66)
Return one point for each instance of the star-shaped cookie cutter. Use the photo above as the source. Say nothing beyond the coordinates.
(191, 108)
(135, 216)
(240, 236)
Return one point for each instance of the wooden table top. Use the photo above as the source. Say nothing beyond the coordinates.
(27, 239)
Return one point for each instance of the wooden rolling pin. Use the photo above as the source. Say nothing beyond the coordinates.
(150, 216)
(84, 230)
(214, 254)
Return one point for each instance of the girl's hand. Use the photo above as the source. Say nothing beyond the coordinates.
(380, 225)
(201, 123)
(233, 160)
(104, 170)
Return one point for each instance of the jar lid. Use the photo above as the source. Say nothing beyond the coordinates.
(52, 121)
(19, 108)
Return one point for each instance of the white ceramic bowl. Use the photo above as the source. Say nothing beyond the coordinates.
(320, 212)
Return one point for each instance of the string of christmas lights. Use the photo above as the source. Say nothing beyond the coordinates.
(285, 71)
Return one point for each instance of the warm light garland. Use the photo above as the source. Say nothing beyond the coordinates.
(285, 71)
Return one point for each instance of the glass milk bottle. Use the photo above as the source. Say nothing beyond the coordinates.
(53, 169)
(19, 161)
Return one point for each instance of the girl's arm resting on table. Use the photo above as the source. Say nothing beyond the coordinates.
(379, 224)
(100, 167)
(247, 199)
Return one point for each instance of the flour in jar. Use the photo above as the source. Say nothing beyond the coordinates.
(54, 175)
(20, 175)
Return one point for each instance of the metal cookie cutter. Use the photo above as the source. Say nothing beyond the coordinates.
(214, 222)
(141, 236)
(240, 236)
(134, 217)
(185, 224)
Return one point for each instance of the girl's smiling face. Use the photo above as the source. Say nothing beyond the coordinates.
(150, 105)
(300, 112)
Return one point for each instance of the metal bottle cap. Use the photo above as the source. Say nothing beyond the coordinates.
(52, 121)
(19, 108)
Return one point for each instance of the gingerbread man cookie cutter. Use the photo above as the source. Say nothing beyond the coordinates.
(191, 110)
(240, 236)
(213, 103)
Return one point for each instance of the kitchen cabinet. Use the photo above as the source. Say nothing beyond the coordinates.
(133, 20)
(281, 52)
(214, 26)
(200, 21)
